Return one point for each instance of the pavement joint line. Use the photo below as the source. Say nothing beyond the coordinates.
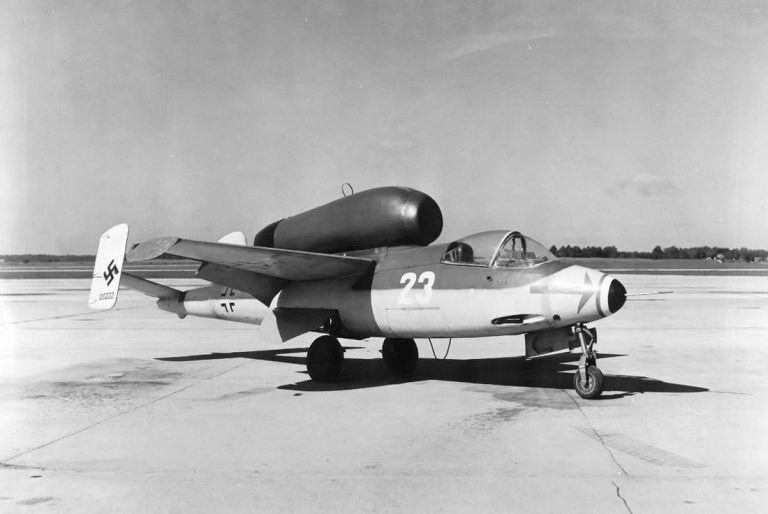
(597, 434)
(85, 313)
(618, 493)
(6, 461)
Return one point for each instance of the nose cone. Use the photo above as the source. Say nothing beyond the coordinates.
(617, 295)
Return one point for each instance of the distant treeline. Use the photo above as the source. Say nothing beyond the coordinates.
(44, 257)
(608, 252)
(672, 252)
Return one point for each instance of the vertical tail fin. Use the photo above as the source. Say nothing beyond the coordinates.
(234, 238)
(108, 268)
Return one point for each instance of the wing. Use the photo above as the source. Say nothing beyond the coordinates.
(290, 265)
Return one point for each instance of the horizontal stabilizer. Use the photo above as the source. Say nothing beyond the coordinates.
(151, 249)
(292, 265)
(149, 288)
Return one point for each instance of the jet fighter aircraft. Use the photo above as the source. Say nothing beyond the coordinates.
(363, 266)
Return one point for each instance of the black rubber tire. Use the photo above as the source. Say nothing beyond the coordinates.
(401, 356)
(594, 385)
(324, 359)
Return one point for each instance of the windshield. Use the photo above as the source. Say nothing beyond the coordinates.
(499, 248)
(519, 251)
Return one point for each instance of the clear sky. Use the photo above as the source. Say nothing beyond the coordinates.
(632, 123)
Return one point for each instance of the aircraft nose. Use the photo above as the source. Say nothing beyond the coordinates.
(617, 295)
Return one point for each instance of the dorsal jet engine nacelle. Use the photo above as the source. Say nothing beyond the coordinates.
(385, 216)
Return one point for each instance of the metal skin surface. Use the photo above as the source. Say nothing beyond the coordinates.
(216, 302)
(361, 265)
(412, 294)
(380, 217)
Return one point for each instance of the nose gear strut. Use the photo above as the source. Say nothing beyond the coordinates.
(588, 380)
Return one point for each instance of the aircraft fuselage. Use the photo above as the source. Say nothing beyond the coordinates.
(413, 294)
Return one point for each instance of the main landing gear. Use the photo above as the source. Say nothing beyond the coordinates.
(400, 356)
(324, 359)
(588, 380)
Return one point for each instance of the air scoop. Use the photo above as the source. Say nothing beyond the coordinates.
(617, 295)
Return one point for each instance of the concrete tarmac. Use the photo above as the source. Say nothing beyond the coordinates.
(134, 410)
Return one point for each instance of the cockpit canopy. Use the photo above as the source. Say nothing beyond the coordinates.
(498, 248)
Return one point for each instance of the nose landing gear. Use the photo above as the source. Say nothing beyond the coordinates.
(588, 380)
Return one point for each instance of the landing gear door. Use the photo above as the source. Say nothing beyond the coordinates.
(548, 342)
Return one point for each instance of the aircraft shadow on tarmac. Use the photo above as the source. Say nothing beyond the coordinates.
(554, 372)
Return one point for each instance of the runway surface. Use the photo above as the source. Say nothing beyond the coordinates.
(134, 410)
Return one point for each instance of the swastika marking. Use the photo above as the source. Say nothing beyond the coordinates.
(112, 270)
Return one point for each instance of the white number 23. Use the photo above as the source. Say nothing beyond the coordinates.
(410, 297)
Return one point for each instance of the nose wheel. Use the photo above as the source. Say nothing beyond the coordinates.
(588, 380)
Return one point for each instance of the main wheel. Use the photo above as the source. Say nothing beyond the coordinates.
(324, 359)
(594, 386)
(400, 356)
